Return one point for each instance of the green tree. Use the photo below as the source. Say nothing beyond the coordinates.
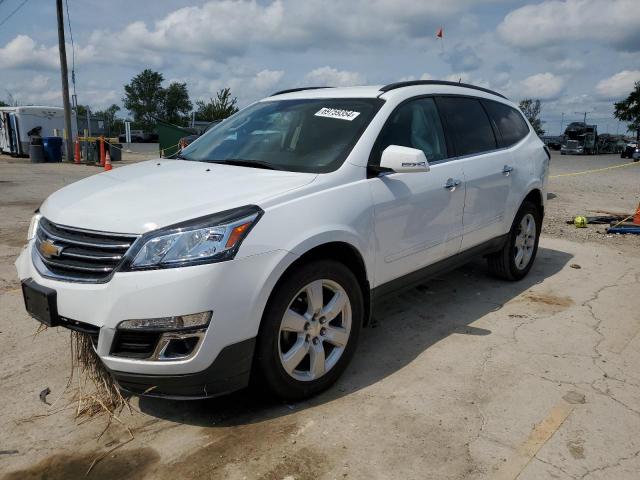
(176, 103)
(11, 101)
(531, 109)
(108, 115)
(144, 97)
(81, 110)
(628, 110)
(217, 108)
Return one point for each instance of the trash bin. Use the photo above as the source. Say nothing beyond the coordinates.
(36, 152)
(115, 151)
(52, 149)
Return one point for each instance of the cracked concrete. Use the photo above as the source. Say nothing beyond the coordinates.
(459, 377)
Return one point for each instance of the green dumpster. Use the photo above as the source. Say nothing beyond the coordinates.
(168, 137)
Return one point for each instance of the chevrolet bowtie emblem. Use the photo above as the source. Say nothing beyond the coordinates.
(48, 249)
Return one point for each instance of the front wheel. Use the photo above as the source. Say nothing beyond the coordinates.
(516, 258)
(309, 330)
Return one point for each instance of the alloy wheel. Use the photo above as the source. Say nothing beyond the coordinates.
(314, 330)
(525, 241)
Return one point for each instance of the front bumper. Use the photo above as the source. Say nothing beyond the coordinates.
(230, 371)
(235, 291)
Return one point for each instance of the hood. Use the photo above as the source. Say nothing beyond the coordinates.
(148, 195)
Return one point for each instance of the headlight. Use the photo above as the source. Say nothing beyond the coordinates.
(204, 240)
(33, 226)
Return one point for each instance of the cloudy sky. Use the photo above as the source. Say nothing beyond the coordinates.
(575, 55)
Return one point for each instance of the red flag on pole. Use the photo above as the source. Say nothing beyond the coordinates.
(440, 33)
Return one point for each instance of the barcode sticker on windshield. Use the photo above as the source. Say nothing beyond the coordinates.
(337, 113)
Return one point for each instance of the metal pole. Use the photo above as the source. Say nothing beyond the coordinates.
(562, 123)
(89, 120)
(65, 82)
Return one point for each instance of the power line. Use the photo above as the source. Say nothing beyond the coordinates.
(73, 50)
(12, 13)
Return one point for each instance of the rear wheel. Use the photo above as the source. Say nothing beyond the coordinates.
(309, 330)
(516, 258)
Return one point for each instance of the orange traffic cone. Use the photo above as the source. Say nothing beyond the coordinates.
(636, 217)
(107, 161)
(76, 153)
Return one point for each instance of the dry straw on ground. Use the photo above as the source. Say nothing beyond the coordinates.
(93, 390)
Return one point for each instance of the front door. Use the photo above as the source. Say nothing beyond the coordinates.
(418, 216)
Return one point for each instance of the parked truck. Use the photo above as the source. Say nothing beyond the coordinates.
(580, 139)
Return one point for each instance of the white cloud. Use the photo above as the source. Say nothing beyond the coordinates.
(329, 76)
(618, 85)
(570, 65)
(545, 86)
(462, 58)
(38, 90)
(552, 22)
(266, 80)
(23, 52)
(225, 29)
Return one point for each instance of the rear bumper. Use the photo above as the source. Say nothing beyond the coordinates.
(229, 372)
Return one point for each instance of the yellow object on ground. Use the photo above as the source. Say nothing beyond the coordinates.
(580, 222)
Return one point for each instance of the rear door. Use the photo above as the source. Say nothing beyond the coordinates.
(487, 170)
(418, 218)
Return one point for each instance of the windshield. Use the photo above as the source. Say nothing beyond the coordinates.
(312, 135)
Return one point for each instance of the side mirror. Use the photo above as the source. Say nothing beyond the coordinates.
(404, 159)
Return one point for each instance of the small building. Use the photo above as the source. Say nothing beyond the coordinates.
(19, 124)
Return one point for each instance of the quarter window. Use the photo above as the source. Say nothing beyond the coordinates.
(469, 124)
(509, 121)
(416, 124)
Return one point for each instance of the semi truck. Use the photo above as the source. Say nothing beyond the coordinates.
(580, 139)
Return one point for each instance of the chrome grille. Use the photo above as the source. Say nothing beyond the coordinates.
(79, 255)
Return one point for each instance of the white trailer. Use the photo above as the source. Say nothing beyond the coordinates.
(18, 124)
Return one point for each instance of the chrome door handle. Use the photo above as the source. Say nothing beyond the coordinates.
(451, 184)
(507, 169)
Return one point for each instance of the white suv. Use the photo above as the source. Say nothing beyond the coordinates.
(260, 250)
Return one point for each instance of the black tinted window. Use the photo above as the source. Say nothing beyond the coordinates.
(469, 125)
(509, 121)
(416, 124)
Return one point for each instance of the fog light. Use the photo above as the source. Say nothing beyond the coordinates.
(178, 346)
(164, 324)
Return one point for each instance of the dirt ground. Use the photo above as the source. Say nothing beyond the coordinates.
(465, 377)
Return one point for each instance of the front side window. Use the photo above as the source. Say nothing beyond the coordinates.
(509, 121)
(416, 124)
(469, 125)
(311, 135)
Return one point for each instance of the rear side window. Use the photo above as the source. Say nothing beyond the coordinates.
(469, 125)
(416, 124)
(509, 121)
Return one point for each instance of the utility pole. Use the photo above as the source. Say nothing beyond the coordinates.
(585, 115)
(562, 123)
(65, 83)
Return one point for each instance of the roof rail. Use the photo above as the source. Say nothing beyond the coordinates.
(299, 89)
(393, 86)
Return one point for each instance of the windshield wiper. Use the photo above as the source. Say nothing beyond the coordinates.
(247, 163)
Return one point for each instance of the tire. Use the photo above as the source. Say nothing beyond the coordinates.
(504, 264)
(278, 346)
